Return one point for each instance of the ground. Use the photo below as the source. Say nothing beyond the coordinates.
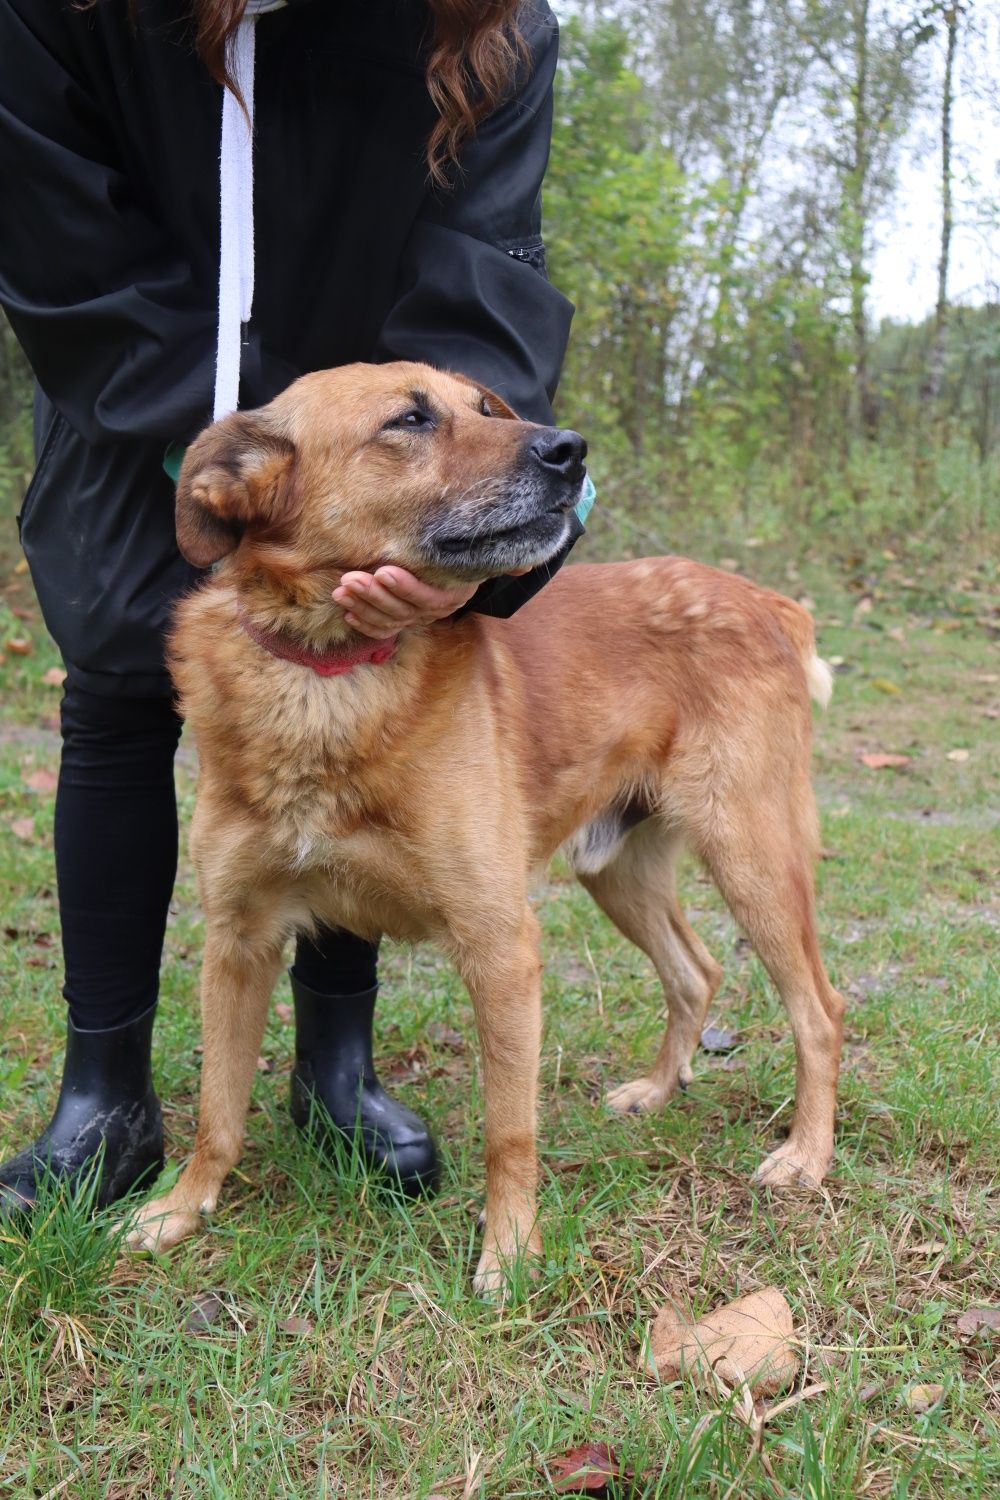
(320, 1339)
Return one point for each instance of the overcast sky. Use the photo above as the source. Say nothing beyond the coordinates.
(904, 271)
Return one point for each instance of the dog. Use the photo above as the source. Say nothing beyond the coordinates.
(626, 711)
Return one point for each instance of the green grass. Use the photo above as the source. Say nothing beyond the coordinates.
(399, 1382)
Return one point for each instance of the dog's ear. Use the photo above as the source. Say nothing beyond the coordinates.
(235, 475)
(497, 406)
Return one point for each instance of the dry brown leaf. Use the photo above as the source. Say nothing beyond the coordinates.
(958, 755)
(718, 1039)
(585, 1470)
(23, 828)
(21, 567)
(204, 1311)
(986, 677)
(296, 1325)
(42, 780)
(283, 1012)
(19, 645)
(881, 761)
(265, 1065)
(445, 1036)
(921, 1398)
(977, 1319)
(54, 677)
(746, 1340)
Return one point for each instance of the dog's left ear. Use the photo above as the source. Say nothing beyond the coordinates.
(235, 475)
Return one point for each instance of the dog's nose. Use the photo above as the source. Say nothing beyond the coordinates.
(561, 451)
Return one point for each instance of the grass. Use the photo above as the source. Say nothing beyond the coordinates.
(391, 1379)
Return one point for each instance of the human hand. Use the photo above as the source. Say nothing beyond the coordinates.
(392, 599)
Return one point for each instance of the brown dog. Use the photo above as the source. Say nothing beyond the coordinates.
(627, 710)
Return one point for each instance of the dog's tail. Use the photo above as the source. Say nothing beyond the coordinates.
(797, 624)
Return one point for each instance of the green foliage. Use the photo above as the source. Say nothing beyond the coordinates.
(720, 348)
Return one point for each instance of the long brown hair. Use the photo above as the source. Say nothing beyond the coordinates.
(474, 50)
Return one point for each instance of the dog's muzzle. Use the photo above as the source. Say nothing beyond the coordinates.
(518, 520)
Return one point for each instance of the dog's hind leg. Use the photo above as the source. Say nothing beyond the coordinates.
(763, 866)
(238, 975)
(637, 890)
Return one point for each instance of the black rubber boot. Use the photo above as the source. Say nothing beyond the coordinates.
(334, 1086)
(106, 1099)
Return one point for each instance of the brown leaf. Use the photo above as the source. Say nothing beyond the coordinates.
(19, 645)
(283, 1012)
(975, 1319)
(23, 828)
(718, 1039)
(296, 1325)
(54, 677)
(20, 613)
(921, 1398)
(21, 567)
(958, 755)
(585, 1470)
(42, 780)
(265, 1065)
(445, 1036)
(204, 1311)
(879, 761)
(751, 1339)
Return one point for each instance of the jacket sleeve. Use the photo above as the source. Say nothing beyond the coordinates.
(473, 295)
(98, 297)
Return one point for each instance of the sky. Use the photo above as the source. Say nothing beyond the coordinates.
(904, 267)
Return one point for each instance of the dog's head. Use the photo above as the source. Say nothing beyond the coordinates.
(369, 464)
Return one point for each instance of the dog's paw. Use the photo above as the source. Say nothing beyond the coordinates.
(502, 1267)
(638, 1098)
(789, 1170)
(159, 1226)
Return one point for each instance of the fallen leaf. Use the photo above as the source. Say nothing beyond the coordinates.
(868, 1393)
(54, 677)
(747, 1340)
(21, 567)
(19, 645)
(921, 1398)
(986, 677)
(42, 780)
(880, 761)
(296, 1325)
(23, 828)
(883, 685)
(975, 1319)
(265, 1065)
(283, 1012)
(204, 1311)
(718, 1039)
(20, 613)
(585, 1470)
(446, 1036)
(927, 1247)
(958, 755)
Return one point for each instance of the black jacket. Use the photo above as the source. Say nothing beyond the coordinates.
(109, 245)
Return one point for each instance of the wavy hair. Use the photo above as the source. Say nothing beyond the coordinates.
(474, 50)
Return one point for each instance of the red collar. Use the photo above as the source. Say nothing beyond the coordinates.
(331, 663)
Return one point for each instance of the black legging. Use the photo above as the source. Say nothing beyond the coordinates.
(116, 859)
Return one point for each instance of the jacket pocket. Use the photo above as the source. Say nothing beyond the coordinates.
(56, 427)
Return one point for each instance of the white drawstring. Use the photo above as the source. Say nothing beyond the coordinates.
(236, 259)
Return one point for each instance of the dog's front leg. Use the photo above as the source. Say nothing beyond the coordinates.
(237, 978)
(505, 985)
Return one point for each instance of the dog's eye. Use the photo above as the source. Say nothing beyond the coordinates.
(414, 420)
(484, 408)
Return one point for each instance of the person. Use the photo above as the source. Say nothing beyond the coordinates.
(385, 206)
